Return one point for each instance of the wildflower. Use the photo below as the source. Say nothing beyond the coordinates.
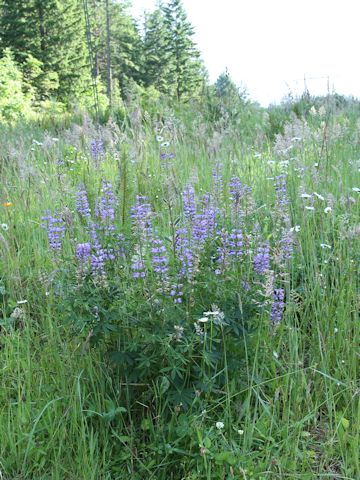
(178, 332)
(165, 144)
(96, 148)
(184, 253)
(5, 227)
(166, 156)
(240, 432)
(105, 206)
(7, 204)
(176, 293)
(203, 320)
(262, 258)
(141, 218)
(21, 302)
(18, 314)
(198, 330)
(235, 244)
(325, 245)
(327, 210)
(82, 252)
(336, 330)
(356, 189)
(295, 229)
(159, 138)
(159, 258)
(188, 198)
(320, 197)
(277, 306)
(98, 255)
(219, 425)
(305, 195)
(237, 191)
(310, 208)
(55, 229)
(82, 203)
(286, 245)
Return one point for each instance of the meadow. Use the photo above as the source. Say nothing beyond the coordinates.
(178, 300)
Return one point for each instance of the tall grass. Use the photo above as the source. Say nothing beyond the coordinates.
(288, 407)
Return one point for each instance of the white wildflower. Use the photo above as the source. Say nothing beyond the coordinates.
(336, 330)
(325, 245)
(305, 195)
(310, 208)
(356, 189)
(295, 229)
(159, 138)
(219, 425)
(21, 302)
(203, 320)
(327, 210)
(5, 226)
(276, 355)
(320, 197)
(240, 432)
(165, 144)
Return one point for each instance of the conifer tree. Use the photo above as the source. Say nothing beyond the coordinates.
(157, 57)
(186, 73)
(52, 32)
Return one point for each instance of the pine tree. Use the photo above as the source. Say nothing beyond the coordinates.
(157, 58)
(52, 32)
(186, 72)
(124, 42)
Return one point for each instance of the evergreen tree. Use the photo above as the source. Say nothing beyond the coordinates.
(157, 58)
(124, 42)
(52, 32)
(186, 72)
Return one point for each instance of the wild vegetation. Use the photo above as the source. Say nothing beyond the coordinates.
(179, 267)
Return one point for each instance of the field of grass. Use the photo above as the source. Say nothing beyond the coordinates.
(209, 332)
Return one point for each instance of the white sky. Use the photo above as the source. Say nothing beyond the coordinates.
(269, 46)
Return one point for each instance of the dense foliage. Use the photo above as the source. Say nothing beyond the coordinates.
(179, 267)
(178, 301)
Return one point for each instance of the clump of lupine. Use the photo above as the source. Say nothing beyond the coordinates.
(212, 240)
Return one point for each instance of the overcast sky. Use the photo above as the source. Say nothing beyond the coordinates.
(269, 46)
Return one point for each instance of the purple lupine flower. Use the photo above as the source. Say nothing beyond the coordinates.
(96, 148)
(281, 191)
(262, 258)
(176, 293)
(222, 260)
(83, 252)
(238, 190)
(105, 206)
(167, 156)
(184, 253)
(235, 244)
(277, 307)
(55, 230)
(98, 255)
(286, 245)
(138, 266)
(189, 205)
(141, 218)
(218, 182)
(159, 258)
(204, 223)
(82, 202)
